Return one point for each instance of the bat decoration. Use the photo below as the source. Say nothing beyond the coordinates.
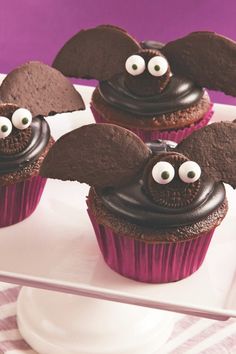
(206, 58)
(27, 94)
(102, 53)
(158, 177)
(77, 156)
(41, 89)
(88, 54)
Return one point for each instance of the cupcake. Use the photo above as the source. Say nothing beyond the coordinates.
(156, 91)
(154, 207)
(27, 94)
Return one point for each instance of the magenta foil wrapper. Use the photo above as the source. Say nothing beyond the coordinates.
(173, 135)
(150, 262)
(19, 200)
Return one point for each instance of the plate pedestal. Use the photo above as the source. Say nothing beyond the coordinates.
(57, 323)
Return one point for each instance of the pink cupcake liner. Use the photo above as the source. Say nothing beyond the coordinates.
(19, 200)
(173, 135)
(150, 262)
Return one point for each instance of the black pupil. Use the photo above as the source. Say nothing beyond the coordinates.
(4, 128)
(134, 67)
(157, 67)
(25, 120)
(191, 174)
(165, 175)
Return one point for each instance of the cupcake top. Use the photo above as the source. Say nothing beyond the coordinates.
(151, 185)
(27, 94)
(149, 78)
(22, 137)
(162, 198)
(179, 94)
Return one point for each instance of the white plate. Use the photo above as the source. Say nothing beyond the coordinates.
(56, 248)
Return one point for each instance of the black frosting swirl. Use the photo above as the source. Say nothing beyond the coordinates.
(132, 203)
(38, 142)
(179, 94)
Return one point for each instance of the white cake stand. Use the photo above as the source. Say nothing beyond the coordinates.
(57, 323)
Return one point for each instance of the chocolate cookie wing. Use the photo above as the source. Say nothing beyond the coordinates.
(97, 53)
(206, 58)
(213, 148)
(41, 89)
(101, 155)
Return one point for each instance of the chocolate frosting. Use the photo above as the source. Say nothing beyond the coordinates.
(132, 203)
(179, 94)
(39, 140)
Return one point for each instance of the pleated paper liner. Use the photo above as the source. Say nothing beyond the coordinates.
(151, 262)
(19, 200)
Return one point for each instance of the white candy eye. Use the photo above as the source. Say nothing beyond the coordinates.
(135, 65)
(5, 127)
(158, 66)
(21, 118)
(163, 172)
(189, 172)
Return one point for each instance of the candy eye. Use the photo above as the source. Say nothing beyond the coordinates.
(189, 172)
(5, 127)
(163, 172)
(158, 66)
(21, 118)
(135, 65)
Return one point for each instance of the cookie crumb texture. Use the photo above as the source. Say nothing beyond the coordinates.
(41, 89)
(96, 154)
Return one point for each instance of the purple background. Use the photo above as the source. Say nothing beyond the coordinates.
(31, 29)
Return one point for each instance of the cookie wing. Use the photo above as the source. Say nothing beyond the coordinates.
(97, 53)
(41, 89)
(206, 58)
(101, 155)
(213, 148)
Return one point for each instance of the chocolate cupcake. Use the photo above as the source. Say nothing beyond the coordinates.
(154, 208)
(157, 91)
(27, 94)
